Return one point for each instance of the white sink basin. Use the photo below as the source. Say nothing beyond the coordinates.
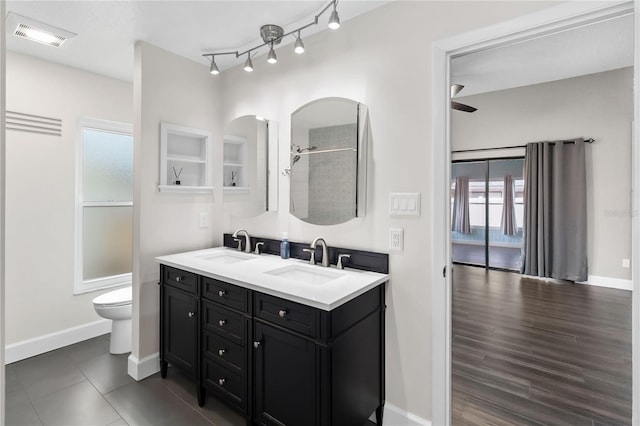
(306, 274)
(227, 257)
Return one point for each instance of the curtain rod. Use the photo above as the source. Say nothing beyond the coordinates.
(590, 140)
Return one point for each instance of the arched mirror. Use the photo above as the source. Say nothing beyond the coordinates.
(327, 167)
(249, 166)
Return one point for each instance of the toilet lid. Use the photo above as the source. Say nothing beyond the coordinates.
(117, 297)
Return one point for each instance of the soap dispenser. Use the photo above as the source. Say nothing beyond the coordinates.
(284, 246)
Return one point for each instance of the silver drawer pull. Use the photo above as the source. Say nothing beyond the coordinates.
(282, 313)
(179, 278)
(191, 314)
(221, 352)
(222, 293)
(221, 382)
(256, 344)
(222, 323)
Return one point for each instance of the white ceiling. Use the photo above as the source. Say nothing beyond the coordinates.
(598, 47)
(107, 30)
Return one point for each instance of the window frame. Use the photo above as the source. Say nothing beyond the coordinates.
(81, 286)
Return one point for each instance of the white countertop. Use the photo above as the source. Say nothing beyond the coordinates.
(275, 276)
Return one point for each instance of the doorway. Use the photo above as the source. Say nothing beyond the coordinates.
(557, 19)
(487, 209)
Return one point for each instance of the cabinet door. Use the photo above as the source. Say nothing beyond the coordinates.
(286, 390)
(180, 328)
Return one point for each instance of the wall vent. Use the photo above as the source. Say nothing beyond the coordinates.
(22, 122)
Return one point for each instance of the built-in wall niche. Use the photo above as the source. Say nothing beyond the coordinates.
(235, 164)
(185, 159)
(250, 163)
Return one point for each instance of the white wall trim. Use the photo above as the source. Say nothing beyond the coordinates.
(394, 416)
(559, 18)
(142, 368)
(608, 282)
(48, 342)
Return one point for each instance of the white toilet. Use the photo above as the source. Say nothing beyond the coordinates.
(116, 306)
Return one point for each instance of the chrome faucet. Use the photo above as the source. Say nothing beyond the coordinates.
(325, 255)
(247, 241)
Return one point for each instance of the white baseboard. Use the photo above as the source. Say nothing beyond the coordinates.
(609, 282)
(41, 344)
(143, 368)
(394, 416)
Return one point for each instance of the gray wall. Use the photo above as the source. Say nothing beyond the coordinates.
(598, 106)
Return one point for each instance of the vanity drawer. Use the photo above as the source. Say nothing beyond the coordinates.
(224, 351)
(285, 313)
(225, 383)
(180, 279)
(230, 324)
(224, 293)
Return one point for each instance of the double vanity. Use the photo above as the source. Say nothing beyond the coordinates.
(281, 341)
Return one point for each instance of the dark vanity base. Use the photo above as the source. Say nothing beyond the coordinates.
(275, 361)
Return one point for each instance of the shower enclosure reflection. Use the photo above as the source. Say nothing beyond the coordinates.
(328, 166)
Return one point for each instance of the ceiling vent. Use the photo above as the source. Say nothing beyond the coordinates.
(27, 28)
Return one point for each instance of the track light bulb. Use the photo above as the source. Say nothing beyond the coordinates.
(334, 19)
(214, 68)
(271, 57)
(248, 65)
(299, 46)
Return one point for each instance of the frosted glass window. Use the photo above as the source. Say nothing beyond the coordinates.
(107, 246)
(107, 166)
(105, 206)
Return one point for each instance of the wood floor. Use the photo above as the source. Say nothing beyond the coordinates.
(535, 353)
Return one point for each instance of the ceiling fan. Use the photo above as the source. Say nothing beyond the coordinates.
(455, 89)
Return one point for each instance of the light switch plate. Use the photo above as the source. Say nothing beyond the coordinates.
(404, 203)
(396, 239)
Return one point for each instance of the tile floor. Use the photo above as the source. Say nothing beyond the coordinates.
(83, 384)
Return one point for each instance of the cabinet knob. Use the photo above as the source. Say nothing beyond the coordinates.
(256, 344)
(222, 323)
(282, 313)
(221, 382)
(222, 293)
(221, 352)
(179, 278)
(191, 314)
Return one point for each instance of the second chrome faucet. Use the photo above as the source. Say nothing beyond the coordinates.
(325, 254)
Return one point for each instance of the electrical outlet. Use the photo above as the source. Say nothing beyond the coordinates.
(626, 263)
(204, 220)
(396, 239)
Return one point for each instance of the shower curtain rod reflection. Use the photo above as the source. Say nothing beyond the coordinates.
(590, 140)
(324, 151)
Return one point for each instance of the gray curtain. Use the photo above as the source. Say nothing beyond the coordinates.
(555, 236)
(460, 221)
(508, 224)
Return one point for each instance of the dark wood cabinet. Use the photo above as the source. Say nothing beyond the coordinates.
(179, 330)
(286, 386)
(276, 361)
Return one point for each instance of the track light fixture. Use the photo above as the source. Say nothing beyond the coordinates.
(299, 46)
(271, 57)
(214, 67)
(248, 64)
(273, 34)
(334, 19)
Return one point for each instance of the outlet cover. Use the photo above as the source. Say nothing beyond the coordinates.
(396, 239)
(204, 220)
(626, 263)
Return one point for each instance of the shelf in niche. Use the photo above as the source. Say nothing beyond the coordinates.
(184, 189)
(236, 189)
(185, 151)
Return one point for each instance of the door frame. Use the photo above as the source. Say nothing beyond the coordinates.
(555, 19)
